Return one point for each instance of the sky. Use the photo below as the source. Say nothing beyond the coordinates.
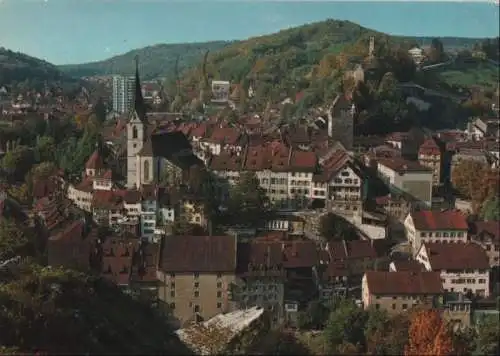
(77, 31)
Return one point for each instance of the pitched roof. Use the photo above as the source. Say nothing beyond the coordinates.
(429, 146)
(408, 265)
(303, 161)
(95, 161)
(403, 283)
(226, 161)
(402, 166)
(258, 254)
(300, 254)
(439, 220)
(456, 256)
(106, 199)
(481, 229)
(203, 254)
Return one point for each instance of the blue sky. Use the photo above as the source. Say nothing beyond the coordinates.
(75, 31)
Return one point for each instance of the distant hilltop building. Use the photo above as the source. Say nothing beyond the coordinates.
(220, 91)
(123, 93)
(417, 54)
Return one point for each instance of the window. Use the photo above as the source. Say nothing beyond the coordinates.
(172, 294)
(196, 284)
(405, 306)
(196, 308)
(134, 132)
(219, 284)
(172, 275)
(219, 294)
(377, 306)
(172, 285)
(219, 305)
(394, 307)
(196, 294)
(219, 275)
(196, 275)
(172, 306)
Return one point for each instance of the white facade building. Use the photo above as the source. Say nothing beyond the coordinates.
(123, 93)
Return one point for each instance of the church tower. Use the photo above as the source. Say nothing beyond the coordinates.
(371, 48)
(136, 130)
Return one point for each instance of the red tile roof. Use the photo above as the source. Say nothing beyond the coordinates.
(227, 161)
(429, 220)
(300, 254)
(272, 155)
(259, 254)
(332, 166)
(225, 135)
(86, 185)
(401, 165)
(404, 283)
(303, 161)
(456, 256)
(199, 131)
(429, 147)
(106, 199)
(408, 265)
(202, 254)
(95, 161)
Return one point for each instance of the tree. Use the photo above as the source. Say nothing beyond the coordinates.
(437, 51)
(75, 313)
(100, 110)
(345, 325)
(488, 334)
(333, 227)
(45, 149)
(247, 200)
(387, 84)
(476, 181)
(13, 240)
(17, 162)
(490, 210)
(428, 334)
(315, 316)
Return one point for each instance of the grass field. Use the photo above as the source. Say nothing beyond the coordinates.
(474, 73)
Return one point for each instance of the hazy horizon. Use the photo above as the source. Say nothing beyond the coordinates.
(72, 31)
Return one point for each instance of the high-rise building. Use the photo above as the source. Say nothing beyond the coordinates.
(123, 93)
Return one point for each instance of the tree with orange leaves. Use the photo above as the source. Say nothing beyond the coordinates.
(475, 180)
(428, 335)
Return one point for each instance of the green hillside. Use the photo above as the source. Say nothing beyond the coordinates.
(313, 40)
(156, 61)
(295, 55)
(20, 69)
(53, 311)
(471, 73)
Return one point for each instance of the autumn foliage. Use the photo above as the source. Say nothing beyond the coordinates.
(476, 181)
(428, 335)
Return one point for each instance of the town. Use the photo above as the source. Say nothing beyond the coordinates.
(219, 215)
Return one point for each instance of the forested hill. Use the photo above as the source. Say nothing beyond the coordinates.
(293, 53)
(156, 61)
(52, 311)
(318, 38)
(20, 69)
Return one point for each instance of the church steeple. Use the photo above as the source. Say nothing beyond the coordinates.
(139, 105)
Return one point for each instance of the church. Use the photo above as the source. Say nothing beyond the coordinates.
(151, 153)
